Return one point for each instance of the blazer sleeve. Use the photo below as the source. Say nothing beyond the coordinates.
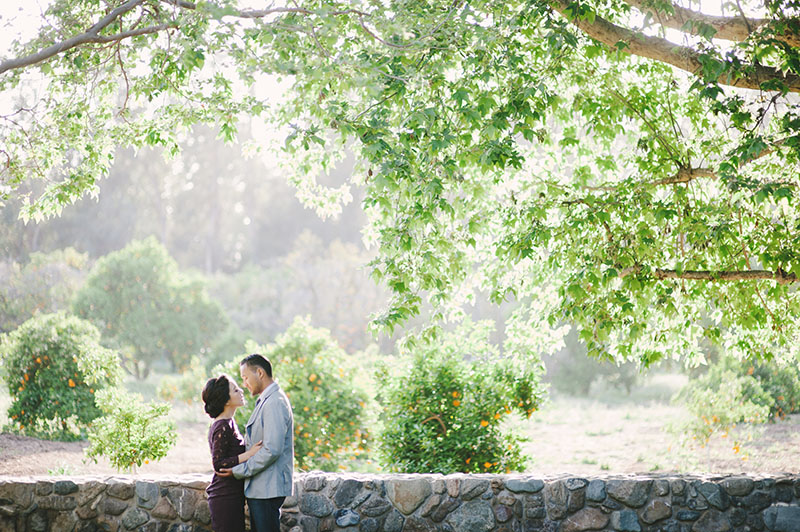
(274, 420)
(221, 446)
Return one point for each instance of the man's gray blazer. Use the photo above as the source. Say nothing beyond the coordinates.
(268, 473)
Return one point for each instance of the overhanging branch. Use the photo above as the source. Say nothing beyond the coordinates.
(664, 51)
(735, 29)
(779, 276)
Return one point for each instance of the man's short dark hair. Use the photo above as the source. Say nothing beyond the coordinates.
(257, 361)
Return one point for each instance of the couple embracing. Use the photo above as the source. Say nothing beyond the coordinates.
(258, 468)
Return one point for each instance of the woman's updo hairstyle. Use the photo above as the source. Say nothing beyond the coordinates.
(216, 394)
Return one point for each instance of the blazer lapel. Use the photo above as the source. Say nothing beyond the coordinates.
(260, 404)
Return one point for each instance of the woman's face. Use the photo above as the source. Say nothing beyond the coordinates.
(237, 395)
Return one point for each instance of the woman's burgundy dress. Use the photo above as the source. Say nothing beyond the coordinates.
(225, 494)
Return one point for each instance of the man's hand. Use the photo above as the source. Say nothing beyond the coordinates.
(225, 472)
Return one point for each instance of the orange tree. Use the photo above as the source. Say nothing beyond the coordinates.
(53, 365)
(445, 413)
(328, 401)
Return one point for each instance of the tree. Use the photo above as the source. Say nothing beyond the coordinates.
(647, 185)
(147, 309)
(45, 284)
(53, 365)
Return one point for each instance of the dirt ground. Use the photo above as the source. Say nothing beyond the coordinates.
(606, 433)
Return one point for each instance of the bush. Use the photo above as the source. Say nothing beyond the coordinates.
(131, 432)
(145, 307)
(734, 391)
(328, 403)
(44, 285)
(184, 387)
(53, 365)
(444, 414)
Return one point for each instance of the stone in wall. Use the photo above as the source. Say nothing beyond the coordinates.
(327, 502)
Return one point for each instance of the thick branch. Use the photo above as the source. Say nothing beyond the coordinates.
(664, 51)
(685, 175)
(779, 276)
(734, 29)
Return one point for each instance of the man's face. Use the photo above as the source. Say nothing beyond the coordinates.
(250, 379)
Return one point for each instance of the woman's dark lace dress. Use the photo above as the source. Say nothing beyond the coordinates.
(225, 494)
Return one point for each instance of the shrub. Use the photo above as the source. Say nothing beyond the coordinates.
(44, 285)
(184, 387)
(53, 365)
(147, 308)
(327, 400)
(131, 432)
(444, 414)
(734, 391)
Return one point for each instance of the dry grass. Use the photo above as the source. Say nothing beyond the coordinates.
(608, 432)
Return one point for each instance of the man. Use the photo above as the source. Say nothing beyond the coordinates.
(268, 473)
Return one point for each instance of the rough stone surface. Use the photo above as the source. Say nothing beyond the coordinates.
(625, 521)
(133, 518)
(315, 504)
(576, 483)
(631, 492)
(712, 521)
(519, 485)
(418, 503)
(346, 517)
(442, 511)
(596, 490)
(407, 495)
(346, 492)
(503, 513)
(472, 487)
(556, 497)
(394, 522)
(656, 510)
(781, 518)
(65, 487)
(375, 507)
(586, 519)
(183, 500)
(472, 516)
(120, 489)
(714, 494)
(738, 486)
(147, 494)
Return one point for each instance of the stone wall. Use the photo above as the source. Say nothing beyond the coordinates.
(418, 503)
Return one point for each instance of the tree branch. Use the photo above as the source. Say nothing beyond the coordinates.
(779, 276)
(78, 40)
(736, 29)
(664, 51)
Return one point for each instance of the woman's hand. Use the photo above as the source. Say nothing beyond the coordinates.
(245, 456)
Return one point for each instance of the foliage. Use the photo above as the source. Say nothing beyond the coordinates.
(328, 401)
(44, 285)
(53, 366)
(147, 308)
(327, 281)
(444, 412)
(572, 372)
(130, 432)
(734, 392)
(519, 147)
(186, 386)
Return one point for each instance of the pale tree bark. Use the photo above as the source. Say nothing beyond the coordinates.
(664, 51)
(778, 276)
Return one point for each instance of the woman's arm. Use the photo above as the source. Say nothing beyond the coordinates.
(221, 440)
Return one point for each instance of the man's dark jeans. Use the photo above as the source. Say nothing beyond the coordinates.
(265, 514)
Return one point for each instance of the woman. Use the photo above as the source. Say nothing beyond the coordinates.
(222, 397)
